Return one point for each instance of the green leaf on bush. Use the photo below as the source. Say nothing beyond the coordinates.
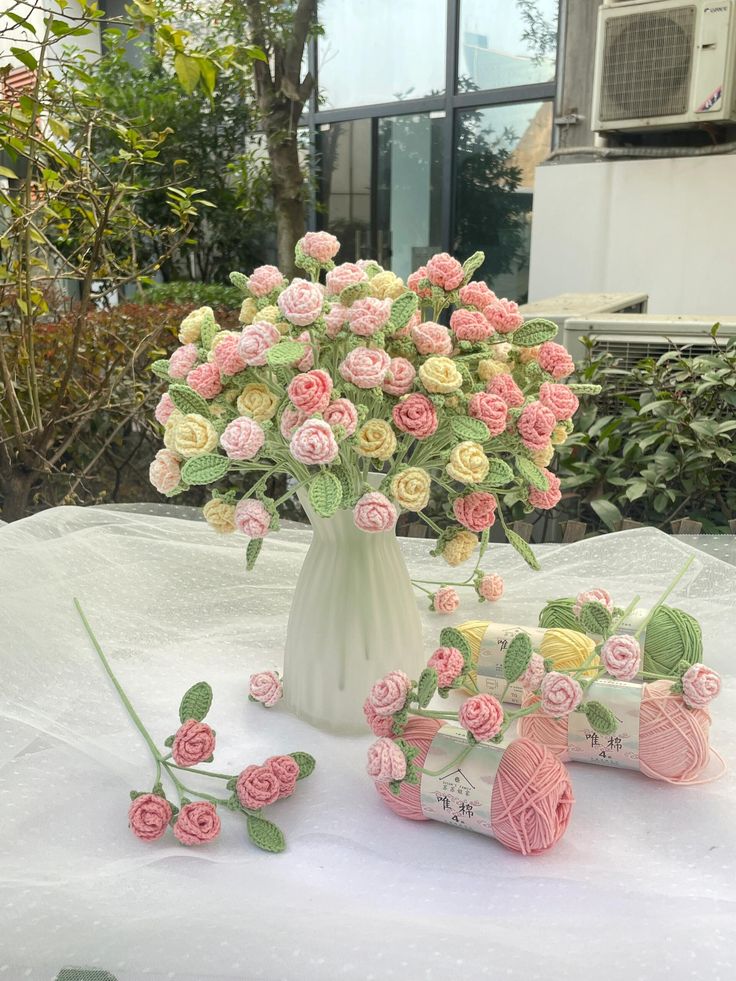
(196, 702)
(532, 474)
(161, 368)
(595, 619)
(265, 835)
(499, 473)
(600, 718)
(608, 513)
(305, 762)
(325, 493)
(451, 637)
(285, 353)
(402, 309)
(187, 401)
(534, 332)
(252, 552)
(205, 469)
(466, 428)
(473, 262)
(523, 548)
(240, 282)
(426, 687)
(517, 657)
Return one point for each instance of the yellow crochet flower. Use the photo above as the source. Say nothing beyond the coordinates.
(376, 439)
(191, 326)
(559, 435)
(439, 375)
(488, 368)
(468, 463)
(170, 428)
(194, 435)
(460, 548)
(387, 286)
(410, 488)
(220, 515)
(248, 310)
(270, 314)
(543, 458)
(257, 401)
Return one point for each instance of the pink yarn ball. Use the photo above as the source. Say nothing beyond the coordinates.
(559, 400)
(601, 596)
(194, 742)
(482, 716)
(415, 415)
(449, 664)
(506, 388)
(257, 787)
(555, 360)
(535, 425)
(164, 471)
(301, 302)
(291, 419)
(226, 355)
(413, 281)
(503, 315)
(546, 500)
(490, 409)
(255, 341)
(320, 246)
(491, 587)
(365, 367)
(286, 771)
(242, 438)
(388, 695)
(535, 671)
(445, 600)
(343, 413)
(380, 725)
(310, 391)
(265, 687)
(621, 657)
(386, 762)
(476, 294)
(346, 274)
(400, 377)
(470, 325)
(431, 338)
(252, 518)
(164, 409)
(313, 443)
(445, 271)
(476, 511)
(264, 280)
(561, 694)
(197, 823)
(374, 512)
(183, 360)
(149, 816)
(369, 315)
(700, 685)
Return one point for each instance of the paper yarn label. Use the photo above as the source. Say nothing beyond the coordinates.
(632, 623)
(489, 670)
(462, 794)
(621, 748)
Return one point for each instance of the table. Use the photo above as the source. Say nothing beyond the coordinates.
(642, 885)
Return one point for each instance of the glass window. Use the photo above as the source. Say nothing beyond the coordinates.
(383, 51)
(506, 42)
(408, 191)
(344, 160)
(497, 150)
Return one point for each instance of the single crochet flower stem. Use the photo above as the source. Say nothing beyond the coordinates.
(433, 714)
(448, 767)
(663, 597)
(204, 773)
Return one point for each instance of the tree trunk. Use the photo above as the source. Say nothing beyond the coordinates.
(15, 490)
(288, 191)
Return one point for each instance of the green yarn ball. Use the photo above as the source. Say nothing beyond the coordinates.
(671, 635)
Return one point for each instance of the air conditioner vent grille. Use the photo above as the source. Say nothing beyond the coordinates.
(628, 353)
(647, 63)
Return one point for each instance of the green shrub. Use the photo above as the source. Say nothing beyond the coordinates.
(198, 294)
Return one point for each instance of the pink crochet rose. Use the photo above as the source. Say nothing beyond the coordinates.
(197, 823)
(291, 419)
(559, 400)
(226, 355)
(313, 443)
(621, 657)
(264, 280)
(449, 664)
(335, 320)
(286, 771)
(320, 246)
(257, 787)
(601, 596)
(265, 687)
(365, 367)
(470, 325)
(476, 511)
(374, 512)
(445, 600)
(194, 742)
(380, 725)
(476, 295)
(164, 409)
(415, 415)
(491, 587)
(431, 338)
(444, 271)
(149, 816)
(307, 362)
(252, 518)
(503, 315)
(561, 694)
(343, 413)
(400, 377)
(301, 302)
(369, 315)
(482, 716)
(346, 274)
(490, 409)
(205, 380)
(255, 341)
(532, 677)
(546, 500)
(700, 685)
(164, 471)
(389, 694)
(310, 391)
(554, 359)
(535, 425)
(183, 360)
(242, 438)
(386, 762)
(506, 388)
(423, 292)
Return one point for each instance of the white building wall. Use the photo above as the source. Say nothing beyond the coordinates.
(663, 227)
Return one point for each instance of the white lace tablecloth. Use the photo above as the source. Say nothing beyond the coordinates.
(642, 886)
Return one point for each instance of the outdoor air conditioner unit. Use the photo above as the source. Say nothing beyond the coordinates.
(560, 308)
(664, 63)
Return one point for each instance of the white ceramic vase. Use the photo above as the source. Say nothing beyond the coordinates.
(353, 619)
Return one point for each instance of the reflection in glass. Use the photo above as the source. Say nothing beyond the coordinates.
(497, 150)
(408, 191)
(382, 51)
(506, 42)
(344, 160)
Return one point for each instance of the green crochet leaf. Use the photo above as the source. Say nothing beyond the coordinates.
(473, 262)
(345, 484)
(187, 401)
(517, 657)
(209, 329)
(265, 835)
(426, 687)
(682, 667)
(285, 353)
(395, 787)
(523, 548)
(402, 309)
(196, 702)
(252, 552)
(451, 637)
(325, 493)
(534, 332)
(499, 473)
(205, 469)
(601, 718)
(582, 389)
(306, 763)
(532, 474)
(161, 368)
(169, 741)
(356, 291)
(240, 282)
(595, 619)
(466, 428)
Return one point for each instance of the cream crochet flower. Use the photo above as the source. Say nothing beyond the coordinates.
(439, 375)
(258, 401)
(194, 435)
(468, 463)
(460, 548)
(410, 488)
(376, 439)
